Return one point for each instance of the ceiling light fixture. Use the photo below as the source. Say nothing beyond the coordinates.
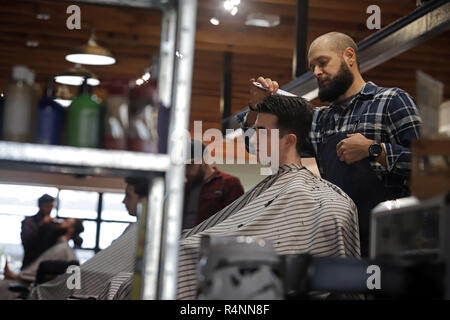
(63, 96)
(32, 44)
(228, 5)
(43, 16)
(146, 76)
(214, 21)
(92, 54)
(231, 6)
(75, 76)
(262, 20)
(64, 102)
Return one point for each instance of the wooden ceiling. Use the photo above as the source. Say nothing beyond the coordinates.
(133, 34)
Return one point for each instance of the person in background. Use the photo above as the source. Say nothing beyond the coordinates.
(60, 251)
(207, 189)
(30, 229)
(136, 190)
(117, 259)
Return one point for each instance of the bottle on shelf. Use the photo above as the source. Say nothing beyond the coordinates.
(143, 130)
(18, 121)
(83, 119)
(49, 117)
(116, 117)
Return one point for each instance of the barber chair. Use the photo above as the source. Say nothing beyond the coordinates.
(47, 271)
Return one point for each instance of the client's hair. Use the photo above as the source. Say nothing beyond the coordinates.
(294, 115)
(141, 185)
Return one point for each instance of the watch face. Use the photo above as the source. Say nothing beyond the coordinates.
(375, 150)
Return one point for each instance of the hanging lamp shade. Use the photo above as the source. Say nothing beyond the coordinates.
(92, 54)
(75, 76)
(63, 96)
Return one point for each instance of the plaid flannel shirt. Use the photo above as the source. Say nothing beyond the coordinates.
(386, 115)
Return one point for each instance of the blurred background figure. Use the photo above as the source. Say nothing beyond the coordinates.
(207, 189)
(60, 250)
(31, 229)
(136, 190)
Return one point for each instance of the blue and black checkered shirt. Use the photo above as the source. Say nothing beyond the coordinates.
(386, 115)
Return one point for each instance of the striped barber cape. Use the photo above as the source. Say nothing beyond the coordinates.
(115, 260)
(297, 211)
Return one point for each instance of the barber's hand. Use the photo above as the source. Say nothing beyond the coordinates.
(258, 94)
(353, 148)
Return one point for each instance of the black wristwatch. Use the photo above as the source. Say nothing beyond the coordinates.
(375, 150)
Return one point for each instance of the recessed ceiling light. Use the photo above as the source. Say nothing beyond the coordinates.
(146, 76)
(43, 16)
(228, 5)
(234, 11)
(31, 43)
(262, 20)
(214, 21)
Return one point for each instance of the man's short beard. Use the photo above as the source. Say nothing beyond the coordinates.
(198, 178)
(338, 85)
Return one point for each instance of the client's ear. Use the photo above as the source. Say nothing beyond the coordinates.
(292, 139)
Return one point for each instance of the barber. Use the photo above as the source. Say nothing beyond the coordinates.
(362, 140)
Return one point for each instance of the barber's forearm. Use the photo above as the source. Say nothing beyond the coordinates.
(381, 159)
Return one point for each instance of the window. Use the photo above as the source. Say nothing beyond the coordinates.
(114, 209)
(89, 235)
(22, 200)
(110, 231)
(78, 204)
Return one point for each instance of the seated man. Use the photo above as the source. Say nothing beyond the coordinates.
(298, 211)
(118, 257)
(295, 209)
(207, 189)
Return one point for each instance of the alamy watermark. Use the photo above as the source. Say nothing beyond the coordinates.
(374, 280)
(74, 20)
(374, 20)
(74, 280)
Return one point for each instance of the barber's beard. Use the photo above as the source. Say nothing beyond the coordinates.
(338, 85)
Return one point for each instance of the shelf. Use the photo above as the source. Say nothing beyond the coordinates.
(83, 161)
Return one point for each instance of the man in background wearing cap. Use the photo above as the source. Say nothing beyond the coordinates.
(207, 189)
(31, 226)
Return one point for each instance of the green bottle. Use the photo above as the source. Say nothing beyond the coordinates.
(83, 120)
